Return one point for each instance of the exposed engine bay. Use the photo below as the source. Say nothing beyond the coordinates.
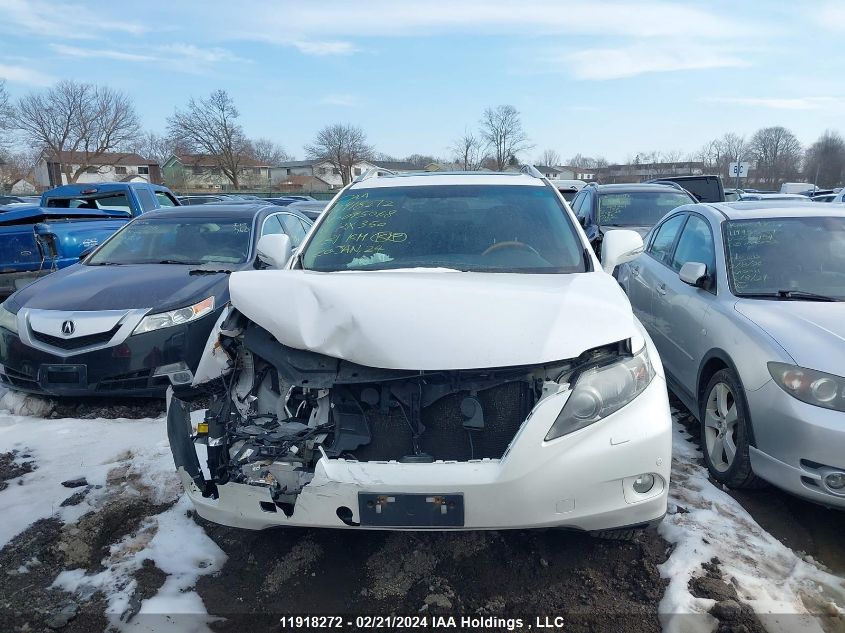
(279, 410)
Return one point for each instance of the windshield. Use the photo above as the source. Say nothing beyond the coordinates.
(480, 228)
(772, 255)
(177, 241)
(643, 208)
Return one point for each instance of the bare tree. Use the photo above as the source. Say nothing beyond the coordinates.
(469, 152)
(269, 152)
(20, 165)
(501, 128)
(342, 145)
(210, 126)
(5, 114)
(420, 160)
(549, 158)
(79, 117)
(152, 147)
(587, 162)
(824, 162)
(777, 153)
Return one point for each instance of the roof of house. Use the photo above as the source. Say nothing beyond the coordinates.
(208, 160)
(301, 163)
(106, 158)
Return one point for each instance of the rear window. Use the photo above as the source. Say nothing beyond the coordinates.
(117, 202)
(481, 228)
(643, 208)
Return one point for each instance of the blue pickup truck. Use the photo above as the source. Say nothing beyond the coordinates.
(70, 220)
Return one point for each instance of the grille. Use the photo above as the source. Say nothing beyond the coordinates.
(134, 380)
(75, 343)
(18, 379)
(505, 408)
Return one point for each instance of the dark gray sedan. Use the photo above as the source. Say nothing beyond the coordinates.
(745, 302)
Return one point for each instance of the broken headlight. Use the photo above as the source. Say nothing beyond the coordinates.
(600, 391)
(153, 322)
(8, 320)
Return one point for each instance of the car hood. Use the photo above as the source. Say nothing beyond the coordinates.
(424, 320)
(812, 332)
(159, 287)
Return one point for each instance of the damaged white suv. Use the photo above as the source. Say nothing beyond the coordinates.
(442, 352)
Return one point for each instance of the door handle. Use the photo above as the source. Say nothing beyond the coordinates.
(661, 289)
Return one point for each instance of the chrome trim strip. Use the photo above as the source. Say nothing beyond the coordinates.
(127, 319)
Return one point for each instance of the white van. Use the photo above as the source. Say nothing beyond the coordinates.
(797, 187)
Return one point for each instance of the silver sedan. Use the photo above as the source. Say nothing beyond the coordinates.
(745, 302)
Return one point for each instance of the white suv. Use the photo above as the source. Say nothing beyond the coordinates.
(445, 352)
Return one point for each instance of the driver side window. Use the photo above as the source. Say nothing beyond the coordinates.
(664, 238)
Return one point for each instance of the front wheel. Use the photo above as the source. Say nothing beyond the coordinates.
(726, 432)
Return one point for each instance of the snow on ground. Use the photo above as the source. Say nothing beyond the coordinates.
(64, 449)
(785, 591)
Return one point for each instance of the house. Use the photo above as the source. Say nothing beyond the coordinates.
(635, 172)
(554, 173)
(21, 187)
(299, 184)
(197, 172)
(106, 167)
(317, 168)
(326, 172)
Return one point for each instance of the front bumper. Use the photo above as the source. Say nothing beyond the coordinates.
(581, 481)
(126, 369)
(797, 444)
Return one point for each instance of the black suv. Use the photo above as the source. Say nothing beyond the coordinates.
(636, 206)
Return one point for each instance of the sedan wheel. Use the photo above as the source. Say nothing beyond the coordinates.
(720, 422)
(726, 431)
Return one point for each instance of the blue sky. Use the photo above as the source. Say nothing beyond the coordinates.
(595, 77)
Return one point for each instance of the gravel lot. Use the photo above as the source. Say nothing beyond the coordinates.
(110, 528)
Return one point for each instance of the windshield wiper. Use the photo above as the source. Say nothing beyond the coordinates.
(803, 294)
(103, 264)
(177, 261)
(788, 295)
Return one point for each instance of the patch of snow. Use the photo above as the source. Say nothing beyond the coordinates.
(63, 449)
(178, 547)
(18, 403)
(785, 591)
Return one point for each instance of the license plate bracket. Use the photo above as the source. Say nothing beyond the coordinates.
(412, 510)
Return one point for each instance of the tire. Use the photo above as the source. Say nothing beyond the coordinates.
(726, 431)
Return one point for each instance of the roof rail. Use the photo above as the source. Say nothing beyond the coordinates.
(374, 173)
(670, 183)
(532, 171)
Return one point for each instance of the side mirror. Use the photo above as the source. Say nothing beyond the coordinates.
(582, 219)
(619, 246)
(274, 250)
(694, 274)
(86, 252)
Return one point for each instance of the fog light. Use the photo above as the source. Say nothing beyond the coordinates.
(644, 483)
(836, 481)
(178, 373)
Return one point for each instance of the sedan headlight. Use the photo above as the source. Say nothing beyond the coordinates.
(810, 386)
(8, 320)
(153, 322)
(602, 390)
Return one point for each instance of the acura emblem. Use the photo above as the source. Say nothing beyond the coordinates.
(68, 328)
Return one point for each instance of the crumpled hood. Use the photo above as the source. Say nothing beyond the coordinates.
(159, 287)
(812, 332)
(416, 320)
